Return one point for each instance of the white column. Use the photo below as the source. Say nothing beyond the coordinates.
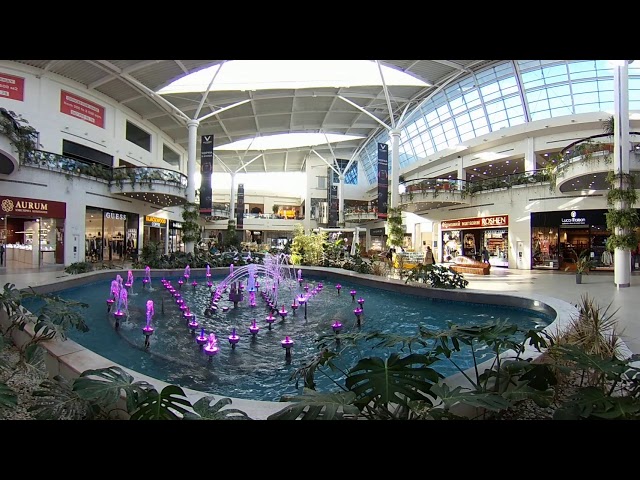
(462, 174)
(192, 126)
(340, 200)
(166, 238)
(529, 156)
(394, 179)
(621, 257)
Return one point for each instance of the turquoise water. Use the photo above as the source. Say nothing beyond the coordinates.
(258, 367)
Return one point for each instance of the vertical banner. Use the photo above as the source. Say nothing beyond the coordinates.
(332, 199)
(206, 169)
(383, 179)
(240, 208)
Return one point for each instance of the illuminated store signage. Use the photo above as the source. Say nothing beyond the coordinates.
(154, 221)
(574, 219)
(115, 216)
(476, 222)
(175, 225)
(377, 232)
(21, 207)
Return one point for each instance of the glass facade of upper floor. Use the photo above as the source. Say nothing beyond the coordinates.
(503, 95)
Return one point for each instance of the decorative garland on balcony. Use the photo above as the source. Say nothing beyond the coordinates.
(20, 134)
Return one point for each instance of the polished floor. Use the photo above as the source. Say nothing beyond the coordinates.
(623, 303)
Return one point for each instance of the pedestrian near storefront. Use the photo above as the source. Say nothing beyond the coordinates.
(428, 256)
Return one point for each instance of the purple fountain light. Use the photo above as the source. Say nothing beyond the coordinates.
(358, 313)
(202, 338)
(211, 348)
(361, 302)
(254, 328)
(338, 287)
(148, 329)
(353, 294)
(233, 338)
(270, 319)
(287, 343)
(282, 312)
(129, 282)
(147, 277)
(336, 326)
(187, 273)
(193, 323)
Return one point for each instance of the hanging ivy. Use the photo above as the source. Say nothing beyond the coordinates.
(396, 233)
(190, 226)
(624, 219)
(20, 134)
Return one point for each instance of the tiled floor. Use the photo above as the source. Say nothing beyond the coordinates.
(624, 302)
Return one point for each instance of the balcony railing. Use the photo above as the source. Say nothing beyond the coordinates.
(113, 176)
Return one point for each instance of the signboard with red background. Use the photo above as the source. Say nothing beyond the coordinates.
(82, 108)
(32, 207)
(493, 221)
(11, 87)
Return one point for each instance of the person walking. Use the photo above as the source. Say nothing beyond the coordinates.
(1, 254)
(428, 256)
(485, 255)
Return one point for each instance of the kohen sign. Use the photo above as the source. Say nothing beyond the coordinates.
(493, 221)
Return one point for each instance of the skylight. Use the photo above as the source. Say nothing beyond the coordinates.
(286, 141)
(289, 74)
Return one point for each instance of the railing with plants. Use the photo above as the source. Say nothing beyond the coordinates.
(118, 176)
(435, 186)
(593, 148)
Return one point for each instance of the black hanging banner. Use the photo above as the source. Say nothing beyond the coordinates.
(240, 208)
(206, 168)
(332, 199)
(383, 179)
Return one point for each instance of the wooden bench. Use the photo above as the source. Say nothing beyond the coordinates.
(468, 265)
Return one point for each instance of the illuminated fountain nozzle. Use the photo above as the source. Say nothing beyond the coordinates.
(211, 347)
(353, 295)
(233, 338)
(287, 343)
(270, 319)
(361, 302)
(118, 314)
(358, 313)
(338, 287)
(336, 326)
(254, 328)
(282, 312)
(202, 338)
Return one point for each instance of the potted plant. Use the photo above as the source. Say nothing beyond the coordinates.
(583, 265)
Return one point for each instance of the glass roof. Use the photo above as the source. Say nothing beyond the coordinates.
(286, 141)
(288, 74)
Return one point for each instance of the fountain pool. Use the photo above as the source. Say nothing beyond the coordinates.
(255, 365)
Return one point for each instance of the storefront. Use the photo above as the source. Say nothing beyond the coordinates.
(559, 238)
(32, 231)
(110, 235)
(155, 230)
(378, 239)
(175, 237)
(469, 236)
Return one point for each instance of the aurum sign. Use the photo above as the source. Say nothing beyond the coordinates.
(493, 221)
(32, 207)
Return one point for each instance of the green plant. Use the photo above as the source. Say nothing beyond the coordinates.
(437, 276)
(622, 217)
(583, 264)
(79, 267)
(396, 232)
(190, 226)
(275, 208)
(20, 134)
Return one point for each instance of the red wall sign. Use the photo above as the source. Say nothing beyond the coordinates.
(492, 221)
(11, 87)
(82, 108)
(32, 207)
